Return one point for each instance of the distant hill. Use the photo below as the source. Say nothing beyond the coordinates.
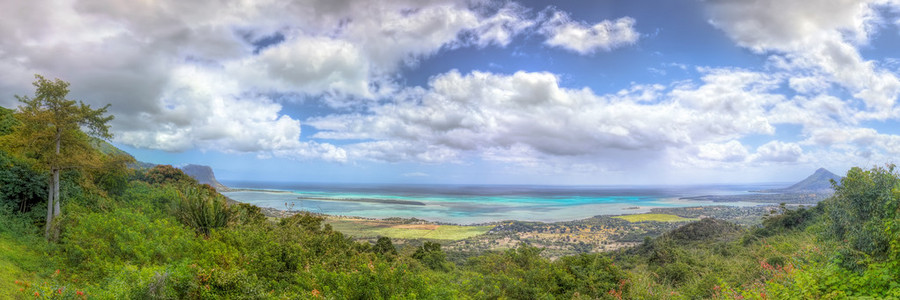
(204, 175)
(108, 149)
(819, 181)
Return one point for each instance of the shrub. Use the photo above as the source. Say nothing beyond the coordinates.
(21, 187)
(165, 174)
(202, 209)
(862, 204)
(705, 230)
(384, 246)
(247, 214)
(430, 255)
(103, 243)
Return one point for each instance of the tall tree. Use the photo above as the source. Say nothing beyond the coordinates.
(52, 131)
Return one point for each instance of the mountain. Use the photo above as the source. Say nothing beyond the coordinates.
(203, 174)
(818, 182)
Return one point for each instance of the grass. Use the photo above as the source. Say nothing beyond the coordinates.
(362, 228)
(654, 217)
(18, 261)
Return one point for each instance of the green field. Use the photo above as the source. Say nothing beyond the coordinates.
(654, 217)
(362, 228)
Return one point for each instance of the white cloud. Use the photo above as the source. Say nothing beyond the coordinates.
(527, 116)
(205, 110)
(732, 151)
(307, 65)
(816, 112)
(817, 40)
(509, 21)
(836, 135)
(778, 152)
(165, 65)
(585, 39)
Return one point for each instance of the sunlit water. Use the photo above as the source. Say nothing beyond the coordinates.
(470, 204)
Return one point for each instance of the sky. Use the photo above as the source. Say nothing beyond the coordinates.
(485, 92)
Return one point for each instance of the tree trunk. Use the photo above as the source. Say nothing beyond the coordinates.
(50, 200)
(53, 211)
(56, 210)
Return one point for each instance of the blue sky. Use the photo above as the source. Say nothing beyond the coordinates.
(507, 92)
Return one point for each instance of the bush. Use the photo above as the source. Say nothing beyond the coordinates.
(861, 206)
(99, 244)
(21, 187)
(705, 230)
(431, 256)
(247, 214)
(384, 246)
(202, 209)
(165, 174)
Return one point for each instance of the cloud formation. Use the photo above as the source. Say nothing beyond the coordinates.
(586, 39)
(529, 114)
(819, 39)
(185, 75)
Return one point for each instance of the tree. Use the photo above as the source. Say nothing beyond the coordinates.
(50, 131)
(863, 203)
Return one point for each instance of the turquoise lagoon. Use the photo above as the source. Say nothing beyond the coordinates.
(474, 204)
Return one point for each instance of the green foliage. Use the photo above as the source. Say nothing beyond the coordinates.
(50, 131)
(592, 275)
(522, 273)
(785, 221)
(21, 187)
(7, 121)
(862, 204)
(704, 230)
(384, 246)
(99, 244)
(430, 255)
(155, 201)
(202, 208)
(166, 174)
(250, 214)
(112, 174)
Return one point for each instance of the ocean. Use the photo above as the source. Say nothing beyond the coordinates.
(475, 204)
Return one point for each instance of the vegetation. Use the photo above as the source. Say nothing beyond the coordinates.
(202, 209)
(653, 217)
(156, 234)
(49, 130)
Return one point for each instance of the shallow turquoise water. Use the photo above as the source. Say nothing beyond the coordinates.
(480, 204)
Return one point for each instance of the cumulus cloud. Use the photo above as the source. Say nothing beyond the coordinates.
(184, 75)
(203, 110)
(778, 152)
(528, 115)
(731, 151)
(815, 37)
(585, 39)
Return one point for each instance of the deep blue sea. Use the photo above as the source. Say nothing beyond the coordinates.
(472, 204)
